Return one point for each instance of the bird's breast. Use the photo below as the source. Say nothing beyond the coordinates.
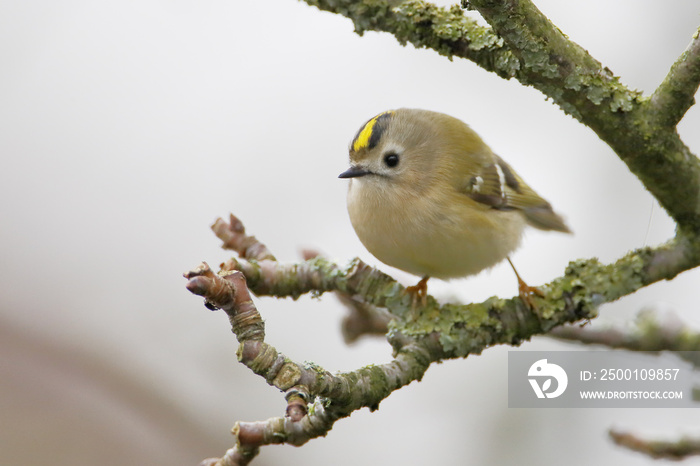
(438, 234)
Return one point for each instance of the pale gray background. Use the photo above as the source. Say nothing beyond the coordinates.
(127, 127)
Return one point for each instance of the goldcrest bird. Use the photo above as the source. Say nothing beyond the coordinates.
(429, 197)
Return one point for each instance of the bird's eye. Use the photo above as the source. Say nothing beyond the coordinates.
(391, 159)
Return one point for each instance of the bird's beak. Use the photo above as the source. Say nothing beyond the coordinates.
(354, 171)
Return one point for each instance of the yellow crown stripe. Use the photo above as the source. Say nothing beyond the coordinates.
(363, 137)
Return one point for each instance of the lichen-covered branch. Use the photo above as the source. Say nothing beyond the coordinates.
(550, 62)
(673, 450)
(345, 390)
(317, 399)
(650, 334)
(676, 94)
(465, 329)
(445, 30)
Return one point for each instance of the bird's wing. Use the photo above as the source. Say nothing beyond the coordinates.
(498, 186)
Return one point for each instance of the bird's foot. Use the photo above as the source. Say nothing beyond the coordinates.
(525, 291)
(418, 291)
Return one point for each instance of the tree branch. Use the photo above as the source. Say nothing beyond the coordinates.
(674, 450)
(336, 396)
(445, 30)
(649, 334)
(465, 329)
(234, 238)
(419, 336)
(676, 94)
(558, 67)
(362, 319)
